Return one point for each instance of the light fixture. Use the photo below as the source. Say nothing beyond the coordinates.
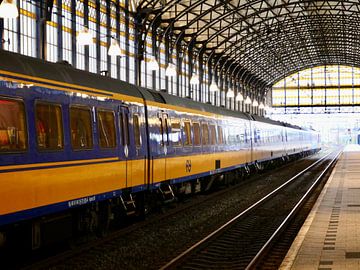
(84, 37)
(114, 49)
(239, 97)
(171, 70)
(247, 100)
(194, 80)
(255, 103)
(230, 93)
(153, 64)
(213, 86)
(261, 106)
(8, 10)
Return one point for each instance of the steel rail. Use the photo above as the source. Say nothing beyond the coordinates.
(261, 252)
(244, 212)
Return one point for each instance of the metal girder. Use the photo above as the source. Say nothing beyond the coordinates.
(260, 41)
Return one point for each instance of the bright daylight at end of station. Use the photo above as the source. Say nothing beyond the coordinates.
(324, 98)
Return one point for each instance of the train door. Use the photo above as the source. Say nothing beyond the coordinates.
(252, 141)
(159, 162)
(125, 141)
(137, 139)
(247, 142)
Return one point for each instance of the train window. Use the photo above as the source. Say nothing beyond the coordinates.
(161, 131)
(205, 134)
(80, 128)
(196, 127)
(137, 135)
(106, 129)
(175, 135)
(166, 129)
(212, 135)
(242, 138)
(49, 129)
(231, 138)
(124, 126)
(225, 134)
(220, 135)
(13, 133)
(187, 133)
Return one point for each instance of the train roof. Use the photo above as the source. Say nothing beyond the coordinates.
(65, 73)
(274, 122)
(163, 97)
(62, 72)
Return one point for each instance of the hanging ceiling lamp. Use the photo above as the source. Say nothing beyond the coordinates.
(171, 70)
(194, 79)
(255, 103)
(239, 97)
(213, 86)
(261, 106)
(153, 64)
(114, 49)
(8, 10)
(230, 93)
(84, 37)
(247, 100)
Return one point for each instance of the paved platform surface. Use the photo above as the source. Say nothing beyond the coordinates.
(330, 237)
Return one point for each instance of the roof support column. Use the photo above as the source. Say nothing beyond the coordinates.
(19, 30)
(1, 33)
(40, 31)
(118, 59)
(109, 38)
(178, 63)
(86, 24)
(190, 69)
(210, 76)
(167, 60)
(59, 30)
(201, 75)
(155, 54)
(139, 44)
(127, 38)
(98, 36)
(73, 33)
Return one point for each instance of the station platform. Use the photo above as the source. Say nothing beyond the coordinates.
(330, 236)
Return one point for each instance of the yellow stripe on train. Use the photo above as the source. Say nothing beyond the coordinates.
(39, 187)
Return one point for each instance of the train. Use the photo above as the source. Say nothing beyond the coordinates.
(79, 150)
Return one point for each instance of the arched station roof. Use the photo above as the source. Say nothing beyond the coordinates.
(268, 39)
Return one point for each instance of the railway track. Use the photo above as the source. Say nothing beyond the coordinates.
(244, 241)
(93, 244)
(86, 253)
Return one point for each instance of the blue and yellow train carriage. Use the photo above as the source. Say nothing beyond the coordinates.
(64, 144)
(86, 148)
